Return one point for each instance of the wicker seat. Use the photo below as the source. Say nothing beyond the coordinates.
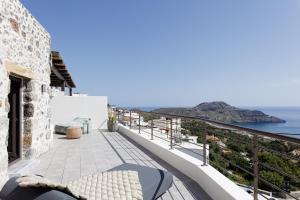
(74, 132)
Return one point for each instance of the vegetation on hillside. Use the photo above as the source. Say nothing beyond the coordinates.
(231, 153)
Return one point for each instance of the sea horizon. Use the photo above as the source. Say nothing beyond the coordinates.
(291, 114)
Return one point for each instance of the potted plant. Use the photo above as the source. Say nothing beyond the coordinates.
(112, 123)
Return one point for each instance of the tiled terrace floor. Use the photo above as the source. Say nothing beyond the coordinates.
(100, 151)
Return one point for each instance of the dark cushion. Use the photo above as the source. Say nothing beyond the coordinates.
(11, 191)
(154, 182)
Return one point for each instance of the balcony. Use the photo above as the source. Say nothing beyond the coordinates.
(99, 151)
(192, 160)
(239, 163)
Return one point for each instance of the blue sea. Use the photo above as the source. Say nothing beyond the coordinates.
(290, 114)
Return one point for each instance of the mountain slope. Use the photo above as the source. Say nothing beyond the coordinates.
(223, 112)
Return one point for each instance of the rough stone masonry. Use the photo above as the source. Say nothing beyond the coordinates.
(25, 52)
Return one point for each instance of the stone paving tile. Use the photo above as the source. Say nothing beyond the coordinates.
(99, 151)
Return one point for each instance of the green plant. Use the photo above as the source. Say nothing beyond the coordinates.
(112, 117)
(239, 151)
(272, 177)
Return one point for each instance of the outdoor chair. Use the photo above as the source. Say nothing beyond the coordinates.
(153, 182)
(85, 122)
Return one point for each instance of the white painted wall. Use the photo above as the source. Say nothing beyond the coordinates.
(65, 108)
(217, 186)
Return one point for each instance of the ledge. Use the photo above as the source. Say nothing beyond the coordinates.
(13, 68)
(212, 181)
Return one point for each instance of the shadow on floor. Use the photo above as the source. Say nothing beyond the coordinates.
(194, 189)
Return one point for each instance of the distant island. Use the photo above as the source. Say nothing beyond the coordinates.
(223, 112)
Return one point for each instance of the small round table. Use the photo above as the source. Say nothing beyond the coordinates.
(74, 132)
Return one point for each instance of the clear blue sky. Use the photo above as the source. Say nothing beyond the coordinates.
(179, 52)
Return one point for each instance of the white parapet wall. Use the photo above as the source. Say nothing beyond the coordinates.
(65, 108)
(216, 185)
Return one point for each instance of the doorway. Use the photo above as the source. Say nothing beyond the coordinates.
(14, 137)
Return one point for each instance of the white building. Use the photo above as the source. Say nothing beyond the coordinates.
(164, 124)
(136, 119)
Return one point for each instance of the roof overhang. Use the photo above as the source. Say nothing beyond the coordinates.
(59, 73)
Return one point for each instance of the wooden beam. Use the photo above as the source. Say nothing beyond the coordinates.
(58, 75)
(59, 65)
(56, 72)
(63, 86)
(60, 70)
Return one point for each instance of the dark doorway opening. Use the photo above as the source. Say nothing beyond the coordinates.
(14, 137)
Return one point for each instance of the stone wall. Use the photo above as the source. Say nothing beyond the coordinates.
(25, 45)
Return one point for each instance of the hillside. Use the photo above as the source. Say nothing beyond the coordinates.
(223, 112)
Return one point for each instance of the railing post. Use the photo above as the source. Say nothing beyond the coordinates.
(130, 119)
(176, 132)
(139, 123)
(152, 129)
(171, 135)
(287, 186)
(176, 126)
(255, 167)
(205, 148)
(87, 127)
(166, 127)
(118, 115)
